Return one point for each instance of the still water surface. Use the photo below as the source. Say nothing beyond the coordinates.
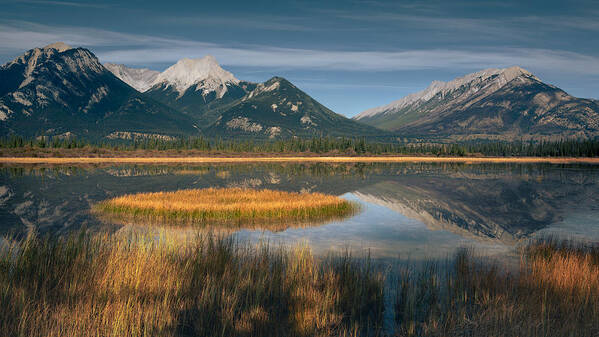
(409, 210)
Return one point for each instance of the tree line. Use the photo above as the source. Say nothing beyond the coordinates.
(320, 145)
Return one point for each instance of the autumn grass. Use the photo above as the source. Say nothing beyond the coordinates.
(141, 285)
(555, 292)
(237, 206)
(99, 285)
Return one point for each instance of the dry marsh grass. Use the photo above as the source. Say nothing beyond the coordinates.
(142, 286)
(237, 206)
(555, 293)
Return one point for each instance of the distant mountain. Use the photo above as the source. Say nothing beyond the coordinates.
(62, 91)
(141, 79)
(59, 90)
(197, 86)
(505, 104)
(277, 108)
(221, 105)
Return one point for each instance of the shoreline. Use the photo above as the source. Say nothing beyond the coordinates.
(331, 159)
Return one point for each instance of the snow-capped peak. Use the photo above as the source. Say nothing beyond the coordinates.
(500, 78)
(141, 79)
(204, 72)
(60, 46)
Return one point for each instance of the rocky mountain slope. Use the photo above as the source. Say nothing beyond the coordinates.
(223, 106)
(62, 91)
(505, 104)
(59, 90)
(277, 108)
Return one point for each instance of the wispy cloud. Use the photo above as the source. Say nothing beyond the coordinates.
(255, 22)
(322, 84)
(517, 26)
(287, 58)
(63, 3)
(18, 36)
(133, 49)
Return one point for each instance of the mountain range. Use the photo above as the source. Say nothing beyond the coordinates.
(225, 105)
(507, 104)
(62, 91)
(58, 90)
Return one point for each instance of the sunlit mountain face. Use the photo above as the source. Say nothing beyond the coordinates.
(508, 104)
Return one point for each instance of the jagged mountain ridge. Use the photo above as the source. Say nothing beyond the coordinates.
(226, 107)
(140, 79)
(505, 104)
(192, 86)
(58, 90)
(62, 91)
(499, 77)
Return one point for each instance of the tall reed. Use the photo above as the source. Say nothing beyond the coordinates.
(138, 285)
(97, 285)
(555, 293)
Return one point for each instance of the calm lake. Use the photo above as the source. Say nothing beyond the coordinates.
(408, 210)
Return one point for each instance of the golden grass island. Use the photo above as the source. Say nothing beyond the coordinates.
(227, 206)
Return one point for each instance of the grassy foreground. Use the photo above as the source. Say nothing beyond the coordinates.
(140, 286)
(226, 205)
(99, 285)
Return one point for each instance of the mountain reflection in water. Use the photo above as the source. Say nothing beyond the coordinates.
(408, 208)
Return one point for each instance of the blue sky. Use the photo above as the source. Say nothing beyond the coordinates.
(349, 55)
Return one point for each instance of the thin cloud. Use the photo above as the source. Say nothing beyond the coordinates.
(512, 26)
(18, 36)
(144, 50)
(261, 23)
(321, 84)
(63, 3)
(285, 58)
(444, 29)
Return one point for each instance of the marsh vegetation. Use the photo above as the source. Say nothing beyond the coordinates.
(555, 292)
(97, 285)
(138, 285)
(268, 209)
